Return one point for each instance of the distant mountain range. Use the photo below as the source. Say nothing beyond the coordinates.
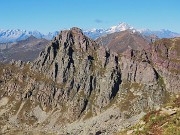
(25, 50)
(96, 33)
(18, 35)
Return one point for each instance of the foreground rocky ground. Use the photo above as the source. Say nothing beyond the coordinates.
(77, 86)
(163, 121)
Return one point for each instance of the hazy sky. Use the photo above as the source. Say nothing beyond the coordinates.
(52, 15)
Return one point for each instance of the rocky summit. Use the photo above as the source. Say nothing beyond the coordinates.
(78, 86)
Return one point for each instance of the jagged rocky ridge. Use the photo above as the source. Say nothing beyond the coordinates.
(77, 86)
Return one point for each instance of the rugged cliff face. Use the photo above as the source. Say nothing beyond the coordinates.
(72, 60)
(166, 59)
(77, 86)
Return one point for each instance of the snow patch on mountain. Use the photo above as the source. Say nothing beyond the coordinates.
(120, 27)
(95, 33)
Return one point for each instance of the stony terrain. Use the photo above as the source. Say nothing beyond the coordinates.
(77, 86)
(163, 121)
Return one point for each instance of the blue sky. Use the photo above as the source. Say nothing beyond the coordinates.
(52, 15)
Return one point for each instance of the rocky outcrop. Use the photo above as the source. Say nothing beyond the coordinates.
(166, 59)
(136, 67)
(72, 60)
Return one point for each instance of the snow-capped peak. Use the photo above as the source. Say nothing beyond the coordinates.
(120, 27)
(95, 33)
(17, 35)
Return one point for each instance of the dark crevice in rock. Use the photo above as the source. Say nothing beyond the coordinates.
(116, 60)
(98, 133)
(90, 58)
(135, 72)
(56, 70)
(28, 94)
(65, 45)
(87, 44)
(70, 54)
(54, 92)
(147, 58)
(78, 87)
(166, 51)
(132, 53)
(84, 107)
(41, 53)
(91, 85)
(94, 82)
(70, 38)
(70, 89)
(115, 88)
(156, 74)
(55, 48)
(107, 58)
(48, 52)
